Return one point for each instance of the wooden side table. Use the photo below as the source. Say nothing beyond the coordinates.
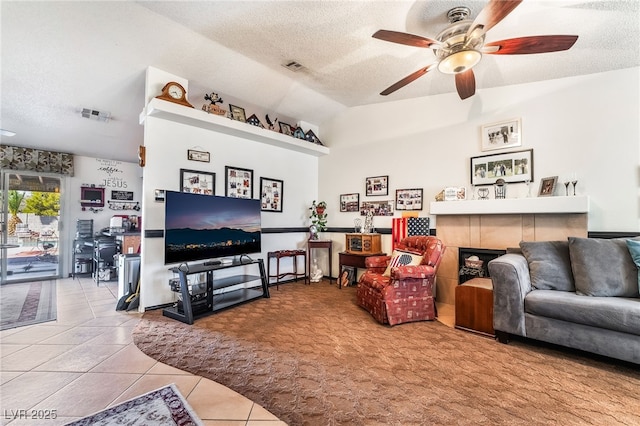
(356, 260)
(316, 244)
(279, 254)
(474, 306)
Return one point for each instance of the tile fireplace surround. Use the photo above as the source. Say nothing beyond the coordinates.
(500, 224)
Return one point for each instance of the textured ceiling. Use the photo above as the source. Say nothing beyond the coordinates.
(58, 57)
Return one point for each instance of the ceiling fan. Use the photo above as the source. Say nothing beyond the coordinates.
(460, 46)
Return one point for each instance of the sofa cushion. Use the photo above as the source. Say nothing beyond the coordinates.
(603, 267)
(402, 258)
(634, 250)
(549, 264)
(611, 313)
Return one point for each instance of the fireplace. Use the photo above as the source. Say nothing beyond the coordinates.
(470, 268)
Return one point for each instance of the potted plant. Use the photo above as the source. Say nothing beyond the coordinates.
(318, 218)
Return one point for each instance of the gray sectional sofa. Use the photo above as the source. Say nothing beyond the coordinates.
(582, 293)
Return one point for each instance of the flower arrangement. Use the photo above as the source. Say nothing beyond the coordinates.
(318, 216)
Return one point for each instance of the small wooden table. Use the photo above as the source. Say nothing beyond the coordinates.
(315, 244)
(474, 306)
(356, 260)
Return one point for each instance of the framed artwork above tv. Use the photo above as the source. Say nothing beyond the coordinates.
(197, 182)
(238, 182)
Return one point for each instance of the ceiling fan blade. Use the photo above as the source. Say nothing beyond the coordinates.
(408, 79)
(533, 44)
(404, 38)
(494, 12)
(466, 84)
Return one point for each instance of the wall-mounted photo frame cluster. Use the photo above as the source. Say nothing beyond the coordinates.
(238, 184)
(406, 199)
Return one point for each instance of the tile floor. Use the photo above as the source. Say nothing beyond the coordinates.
(86, 361)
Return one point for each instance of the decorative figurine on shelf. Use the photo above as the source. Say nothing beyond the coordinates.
(500, 188)
(316, 273)
(483, 193)
(357, 225)
(367, 228)
(212, 108)
(318, 217)
(271, 124)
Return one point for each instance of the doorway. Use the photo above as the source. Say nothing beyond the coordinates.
(30, 242)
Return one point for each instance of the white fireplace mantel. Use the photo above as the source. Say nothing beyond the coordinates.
(533, 205)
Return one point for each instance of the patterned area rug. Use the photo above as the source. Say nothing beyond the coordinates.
(161, 407)
(27, 303)
(311, 356)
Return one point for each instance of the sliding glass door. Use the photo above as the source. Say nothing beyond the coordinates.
(30, 234)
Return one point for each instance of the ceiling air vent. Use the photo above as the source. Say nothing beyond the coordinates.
(93, 114)
(293, 66)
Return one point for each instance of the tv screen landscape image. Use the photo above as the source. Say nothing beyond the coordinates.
(199, 227)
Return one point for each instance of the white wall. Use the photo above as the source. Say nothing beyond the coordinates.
(588, 125)
(166, 145)
(113, 175)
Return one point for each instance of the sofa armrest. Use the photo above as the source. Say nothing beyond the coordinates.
(511, 283)
(413, 272)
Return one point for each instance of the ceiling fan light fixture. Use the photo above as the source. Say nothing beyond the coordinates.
(459, 61)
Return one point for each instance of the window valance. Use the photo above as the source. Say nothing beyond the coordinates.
(36, 160)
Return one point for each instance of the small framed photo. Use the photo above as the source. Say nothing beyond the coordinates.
(516, 166)
(349, 202)
(196, 182)
(238, 182)
(547, 186)
(377, 185)
(271, 194)
(409, 199)
(193, 155)
(455, 193)
(159, 195)
(505, 134)
(237, 113)
(347, 276)
(286, 129)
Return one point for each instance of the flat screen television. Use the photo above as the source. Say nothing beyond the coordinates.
(199, 227)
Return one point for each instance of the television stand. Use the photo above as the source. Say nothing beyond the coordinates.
(215, 294)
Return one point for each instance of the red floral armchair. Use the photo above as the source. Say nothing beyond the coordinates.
(405, 295)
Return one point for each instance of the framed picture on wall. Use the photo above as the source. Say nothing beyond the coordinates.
(514, 166)
(238, 182)
(377, 208)
(271, 194)
(505, 134)
(409, 199)
(195, 155)
(377, 185)
(349, 202)
(197, 182)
